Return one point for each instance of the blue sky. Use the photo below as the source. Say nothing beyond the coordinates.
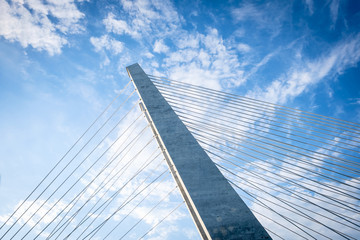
(61, 62)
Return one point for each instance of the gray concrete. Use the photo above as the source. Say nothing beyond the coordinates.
(217, 210)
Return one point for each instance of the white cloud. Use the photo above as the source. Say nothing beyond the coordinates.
(203, 59)
(148, 55)
(31, 212)
(108, 43)
(116, 46)
(258, 65)
(99, 43)
(67, 14)
(145, 18)
(303, 75)
(194, 74)
(28, 23)
(206, 61)
(188, 40)
(160, 47)
(242, 47)
(119, 26)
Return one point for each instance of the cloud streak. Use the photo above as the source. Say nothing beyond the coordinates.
(306, 74)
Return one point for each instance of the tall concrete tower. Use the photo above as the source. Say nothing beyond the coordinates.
(217, 210)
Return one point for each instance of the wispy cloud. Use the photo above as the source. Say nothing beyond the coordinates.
(258, 65)
(355, 101)
(310, 6)
(334, 10)
(261, 15)
(246, 12)
(308, 73)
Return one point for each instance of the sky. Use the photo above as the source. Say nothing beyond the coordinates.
(61, 63)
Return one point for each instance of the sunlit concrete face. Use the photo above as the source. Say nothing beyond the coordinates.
(217, 210)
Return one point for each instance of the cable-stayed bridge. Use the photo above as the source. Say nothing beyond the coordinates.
(298, 172)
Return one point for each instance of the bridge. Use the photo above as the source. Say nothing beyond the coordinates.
(165, 154)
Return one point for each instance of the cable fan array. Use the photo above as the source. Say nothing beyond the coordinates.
(113, 183)
(297, 171)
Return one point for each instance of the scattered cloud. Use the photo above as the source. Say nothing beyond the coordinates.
(144, 19)
(108, 43)
(203, 59)
(206, 61)
(119, 26)
(188, 41)
(160, 47)
(31, 23)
